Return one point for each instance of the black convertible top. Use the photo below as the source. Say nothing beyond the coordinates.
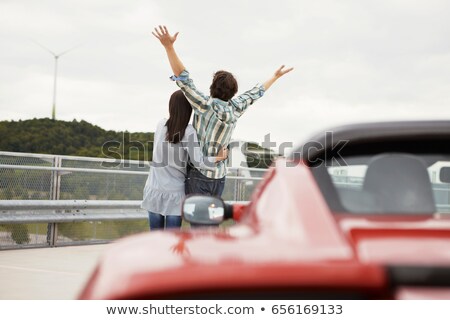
(432, 137)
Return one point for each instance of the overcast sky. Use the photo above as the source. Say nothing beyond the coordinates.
(354, 60)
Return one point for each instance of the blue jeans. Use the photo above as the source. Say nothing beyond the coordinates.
(197, 183)
(158, 221)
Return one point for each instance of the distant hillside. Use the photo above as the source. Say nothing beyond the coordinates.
(76, 138)
(80, 138)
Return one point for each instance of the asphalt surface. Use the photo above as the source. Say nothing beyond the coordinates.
(46, 273)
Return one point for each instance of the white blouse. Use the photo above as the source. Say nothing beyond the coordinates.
(164, 189)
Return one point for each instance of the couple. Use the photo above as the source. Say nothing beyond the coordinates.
(202, 144)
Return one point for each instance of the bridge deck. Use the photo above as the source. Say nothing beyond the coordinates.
(47, 273)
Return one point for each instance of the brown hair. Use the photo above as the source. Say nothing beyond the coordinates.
(180, 112)
(224, 86)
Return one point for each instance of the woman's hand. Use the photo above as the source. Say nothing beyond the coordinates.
(222, 155)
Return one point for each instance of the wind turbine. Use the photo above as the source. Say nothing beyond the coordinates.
(56, 56)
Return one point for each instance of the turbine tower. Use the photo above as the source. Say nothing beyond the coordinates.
(56, 57)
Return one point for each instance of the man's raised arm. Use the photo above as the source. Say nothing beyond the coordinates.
(277, 75)
(241, 102)
(162, 34)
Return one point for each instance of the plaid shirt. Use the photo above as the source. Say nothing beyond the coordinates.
(215, 119)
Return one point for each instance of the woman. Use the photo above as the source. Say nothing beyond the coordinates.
(174, 142)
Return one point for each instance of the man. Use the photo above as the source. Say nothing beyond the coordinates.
(215, 116)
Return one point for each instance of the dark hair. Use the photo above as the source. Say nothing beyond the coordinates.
(224, 86)
(180, 112)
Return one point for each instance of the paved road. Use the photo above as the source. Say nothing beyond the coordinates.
(48, 273)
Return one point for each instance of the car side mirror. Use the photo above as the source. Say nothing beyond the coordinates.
(444, 175)
(203, 210)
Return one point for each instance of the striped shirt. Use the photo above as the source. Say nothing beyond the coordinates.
(215, 119)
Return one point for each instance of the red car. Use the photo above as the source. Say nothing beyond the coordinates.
(358, 212)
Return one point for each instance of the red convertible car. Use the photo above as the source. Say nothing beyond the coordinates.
(357, 212)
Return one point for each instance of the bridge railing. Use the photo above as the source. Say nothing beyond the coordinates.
(50, 223)
(92, 200)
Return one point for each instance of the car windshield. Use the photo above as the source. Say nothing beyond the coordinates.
(392, 183)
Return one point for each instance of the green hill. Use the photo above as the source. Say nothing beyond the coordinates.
(81, 138)
(75, 138)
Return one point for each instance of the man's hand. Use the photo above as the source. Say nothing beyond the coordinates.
(162, 34)
(222, 155)
(277, 75)
(280, 72)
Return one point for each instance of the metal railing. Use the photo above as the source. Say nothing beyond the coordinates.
(38, 223)
(92, 200)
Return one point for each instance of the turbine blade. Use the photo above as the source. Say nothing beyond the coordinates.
(68, 50)
(42, 46)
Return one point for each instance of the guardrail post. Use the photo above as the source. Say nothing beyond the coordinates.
(237, 186)
(52, 228)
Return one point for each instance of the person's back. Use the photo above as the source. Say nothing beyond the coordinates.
(168, 168)
(215, 116)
